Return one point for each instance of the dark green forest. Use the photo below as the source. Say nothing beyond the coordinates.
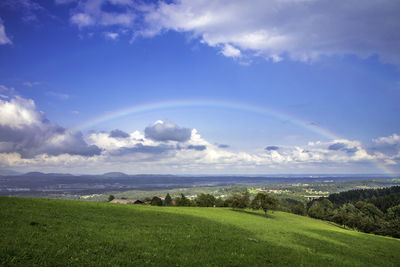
(368, 210)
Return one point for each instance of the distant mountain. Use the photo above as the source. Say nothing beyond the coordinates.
(115, 175)
(41, 174)
(9, 172)
(59, 174)
(34, 174)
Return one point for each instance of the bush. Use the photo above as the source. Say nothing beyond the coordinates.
(156, 201)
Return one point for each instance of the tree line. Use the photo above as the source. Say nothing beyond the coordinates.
(368, 210)
(241, 200)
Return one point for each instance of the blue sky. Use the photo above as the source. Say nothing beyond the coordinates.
(318, 80)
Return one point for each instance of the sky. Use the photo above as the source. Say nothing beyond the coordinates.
(200, 87)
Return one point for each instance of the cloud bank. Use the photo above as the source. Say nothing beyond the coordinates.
(26, 131)
(301, 30)
(28, 141)
(297, 29)
(167, 131)
(119, 134)
(276, 30)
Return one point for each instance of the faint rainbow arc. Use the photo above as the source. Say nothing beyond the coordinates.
(137, 109)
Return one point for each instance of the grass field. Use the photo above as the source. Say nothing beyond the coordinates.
(62, 232)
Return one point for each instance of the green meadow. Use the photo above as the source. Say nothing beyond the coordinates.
(44, 232)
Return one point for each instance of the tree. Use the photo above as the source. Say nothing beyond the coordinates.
(321, 209)
(239, 201)
(265, 202)
(372, 211)
(205, 200)
(110, 198)
(219, 202)
(393, 221)
(156, 201)
(298, 209)
(168, 200)
(347, 215)
(246, 198)
(368, 210)
(393, 214)
(182, 201)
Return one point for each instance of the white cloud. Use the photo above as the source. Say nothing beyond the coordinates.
(276, 30)
(17, 113)
(109, 143)
(210, 156)
(167, 131)
(82, 20)
(111, 35)
(393, 139)
(26, 131)
(230, 51)
(91, 12)
(300, 30)
(3, 37)
(387, 148)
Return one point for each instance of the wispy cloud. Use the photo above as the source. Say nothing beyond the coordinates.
(91, 12)
(27, 8)
(3, 36)
(7, 90)
(111, 35)
(31, 84)
(60, 96)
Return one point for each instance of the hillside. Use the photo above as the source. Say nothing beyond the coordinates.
(61, 232)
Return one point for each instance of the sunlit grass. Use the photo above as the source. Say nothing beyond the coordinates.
(59, 232)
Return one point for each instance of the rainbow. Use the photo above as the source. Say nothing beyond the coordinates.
(148, 107)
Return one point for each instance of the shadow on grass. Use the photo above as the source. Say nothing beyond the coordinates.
(90, 234)
(95, 234)
(251, 212)
(363, 249)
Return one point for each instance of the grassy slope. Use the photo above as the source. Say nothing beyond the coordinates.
(60, 232)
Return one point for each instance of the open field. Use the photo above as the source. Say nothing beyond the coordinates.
(61, 232)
